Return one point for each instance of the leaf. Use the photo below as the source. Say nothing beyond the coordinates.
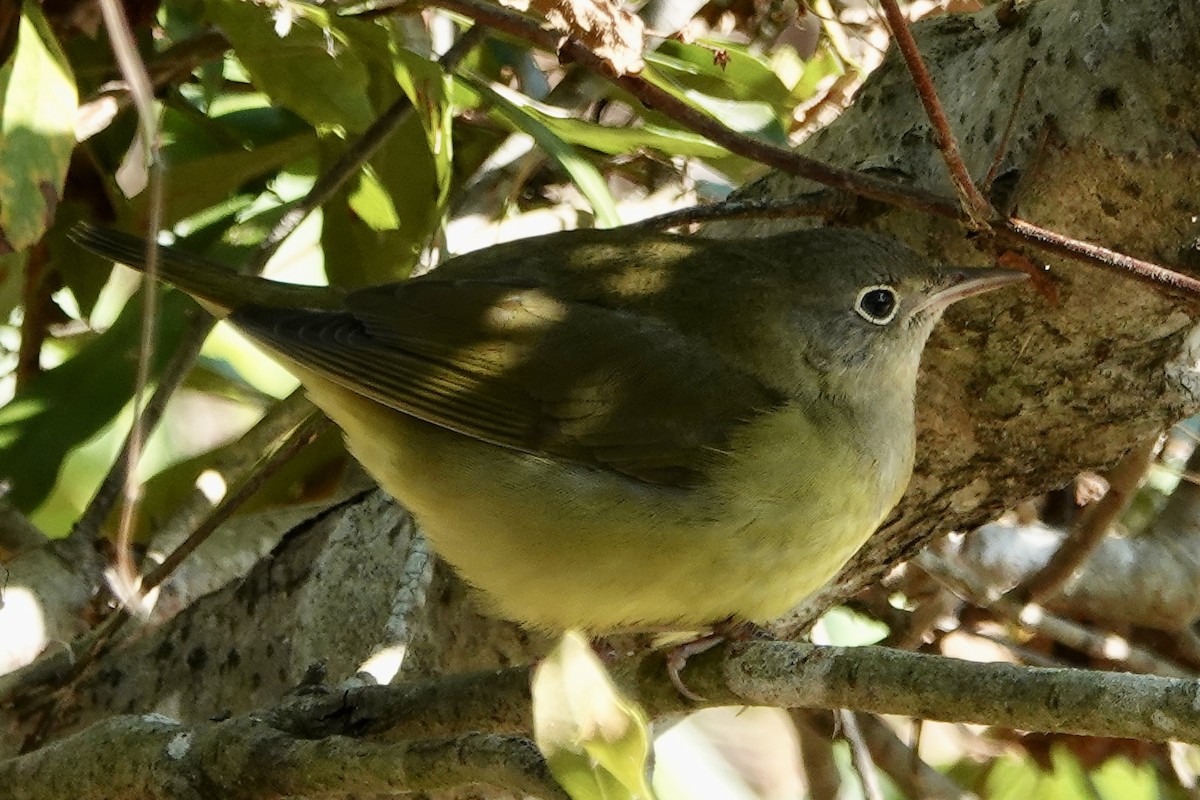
(510, 107)
(429, 88)
(300, 57)
(400, 185)
(755, 103)
(210, 158)
(37, 131)
(625, 140)
(63, 407)
(596, 742)
(741, 75)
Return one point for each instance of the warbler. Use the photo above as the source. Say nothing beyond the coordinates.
(614, 430)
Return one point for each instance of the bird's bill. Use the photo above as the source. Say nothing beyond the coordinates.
(968, 282)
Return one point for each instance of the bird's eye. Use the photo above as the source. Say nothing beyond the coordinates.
(876, 304)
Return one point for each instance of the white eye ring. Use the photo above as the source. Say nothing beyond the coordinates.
(877, 304)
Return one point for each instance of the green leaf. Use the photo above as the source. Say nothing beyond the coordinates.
(744, 76)
(65, 406)
(746, 96)
(596, 742)
(845, 628)
(37, 131)
(824, 64)
(301, 56)
(512, 108)
(400, 185)
(625, 140)
(210, 158)
(429, 89)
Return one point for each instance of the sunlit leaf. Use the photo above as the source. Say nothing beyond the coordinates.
(596, 742)
(400, 189)
(722, 69)
(509, 106)
(210, 158)
(37, 131)
(428, 88)
(301, 57)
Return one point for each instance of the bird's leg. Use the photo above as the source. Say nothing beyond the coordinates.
(729, 630)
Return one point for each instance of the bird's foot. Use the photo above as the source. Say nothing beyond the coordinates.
(727, 631)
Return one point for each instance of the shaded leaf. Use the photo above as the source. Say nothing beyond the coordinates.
(209, 158)
(429, 89)
(63, 407)
(400, 185)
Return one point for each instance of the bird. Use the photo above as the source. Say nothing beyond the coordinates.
(620, 430)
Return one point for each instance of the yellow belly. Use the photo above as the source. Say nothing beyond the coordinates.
(558, 546)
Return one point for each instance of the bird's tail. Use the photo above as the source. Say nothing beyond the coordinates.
(218, 288)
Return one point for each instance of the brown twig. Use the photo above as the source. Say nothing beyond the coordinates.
(860, 755)
(816, 729)
(1123, 482)
(98, 110)
(141, 90)
(1087, 640)
(899, 761)
(60, 666)
(860, 184)
(1006, 137)
(36, 303)
(978, 210)
(89, 523)
(300, 438)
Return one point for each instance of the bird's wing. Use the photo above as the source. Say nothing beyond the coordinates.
(516, 367)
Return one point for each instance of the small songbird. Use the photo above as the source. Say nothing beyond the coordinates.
(613, 430)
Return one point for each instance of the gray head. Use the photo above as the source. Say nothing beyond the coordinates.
(861, 304)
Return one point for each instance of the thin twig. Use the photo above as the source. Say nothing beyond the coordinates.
(300, 438)
(231, 465)
(355, 156)
(35, 303)
(1107, 646)
(815, 729)
(904, 765)
(860, 755)
(62, 665)
(898, 760)
(180, 364)
(1087, 534)
(1006, 137)
(97, 111)
(976, 206)
(133, 69)
(862, 185)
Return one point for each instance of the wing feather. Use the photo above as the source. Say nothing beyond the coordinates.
(514, 366)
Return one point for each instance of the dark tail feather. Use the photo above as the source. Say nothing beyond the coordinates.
(216, 286)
